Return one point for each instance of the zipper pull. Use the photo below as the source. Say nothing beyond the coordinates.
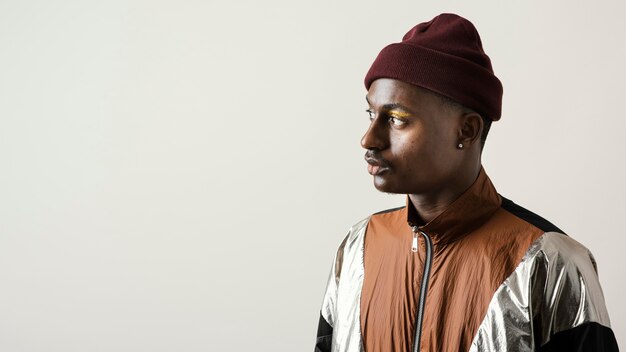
(414, 248)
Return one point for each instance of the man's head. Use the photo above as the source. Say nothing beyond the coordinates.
(417, 141)
(432, 98)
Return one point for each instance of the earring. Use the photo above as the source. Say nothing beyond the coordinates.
(460, 145)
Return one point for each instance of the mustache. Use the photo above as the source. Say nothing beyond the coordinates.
(374, 158)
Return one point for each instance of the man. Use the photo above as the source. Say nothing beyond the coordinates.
(460, 267)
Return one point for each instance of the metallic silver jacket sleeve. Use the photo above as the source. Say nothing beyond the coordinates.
(341, 304)
(553, 289)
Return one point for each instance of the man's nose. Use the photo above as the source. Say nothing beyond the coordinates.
(374, 137)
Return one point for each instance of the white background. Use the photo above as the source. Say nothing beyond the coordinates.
(177, 175)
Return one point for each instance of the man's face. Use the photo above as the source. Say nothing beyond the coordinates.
(412, 139)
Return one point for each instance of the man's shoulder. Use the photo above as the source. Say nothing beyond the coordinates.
(358, 229)
(529, 216)
(557, 250)
(552, 249)
(554, 243)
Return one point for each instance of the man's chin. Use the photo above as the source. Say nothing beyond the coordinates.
(385, 186)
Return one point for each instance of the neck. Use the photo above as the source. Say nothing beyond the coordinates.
(430, 205)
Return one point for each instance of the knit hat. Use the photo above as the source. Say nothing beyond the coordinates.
(444, 55)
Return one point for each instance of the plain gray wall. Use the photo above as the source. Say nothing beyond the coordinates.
(177, 175)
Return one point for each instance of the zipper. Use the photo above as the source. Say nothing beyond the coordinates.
(423, 287)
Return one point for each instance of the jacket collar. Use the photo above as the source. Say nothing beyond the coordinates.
(470, 210)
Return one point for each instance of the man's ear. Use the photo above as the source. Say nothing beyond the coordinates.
(471, 128)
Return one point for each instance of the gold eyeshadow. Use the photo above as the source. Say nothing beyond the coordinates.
(398, 113)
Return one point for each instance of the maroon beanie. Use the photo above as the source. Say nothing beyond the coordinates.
(444, 55)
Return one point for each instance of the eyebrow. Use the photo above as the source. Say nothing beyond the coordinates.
(390, 106)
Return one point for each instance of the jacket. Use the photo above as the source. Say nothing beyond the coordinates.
(485, 275)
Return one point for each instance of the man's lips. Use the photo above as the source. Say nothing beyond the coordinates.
(376, 166)
(376, 170)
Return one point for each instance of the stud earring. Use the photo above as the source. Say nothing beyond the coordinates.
(460, 146)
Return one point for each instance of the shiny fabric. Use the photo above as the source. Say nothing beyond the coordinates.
(554, 289)
(341, 305)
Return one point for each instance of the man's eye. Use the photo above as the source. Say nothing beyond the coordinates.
(396, 121)
(370, 113)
